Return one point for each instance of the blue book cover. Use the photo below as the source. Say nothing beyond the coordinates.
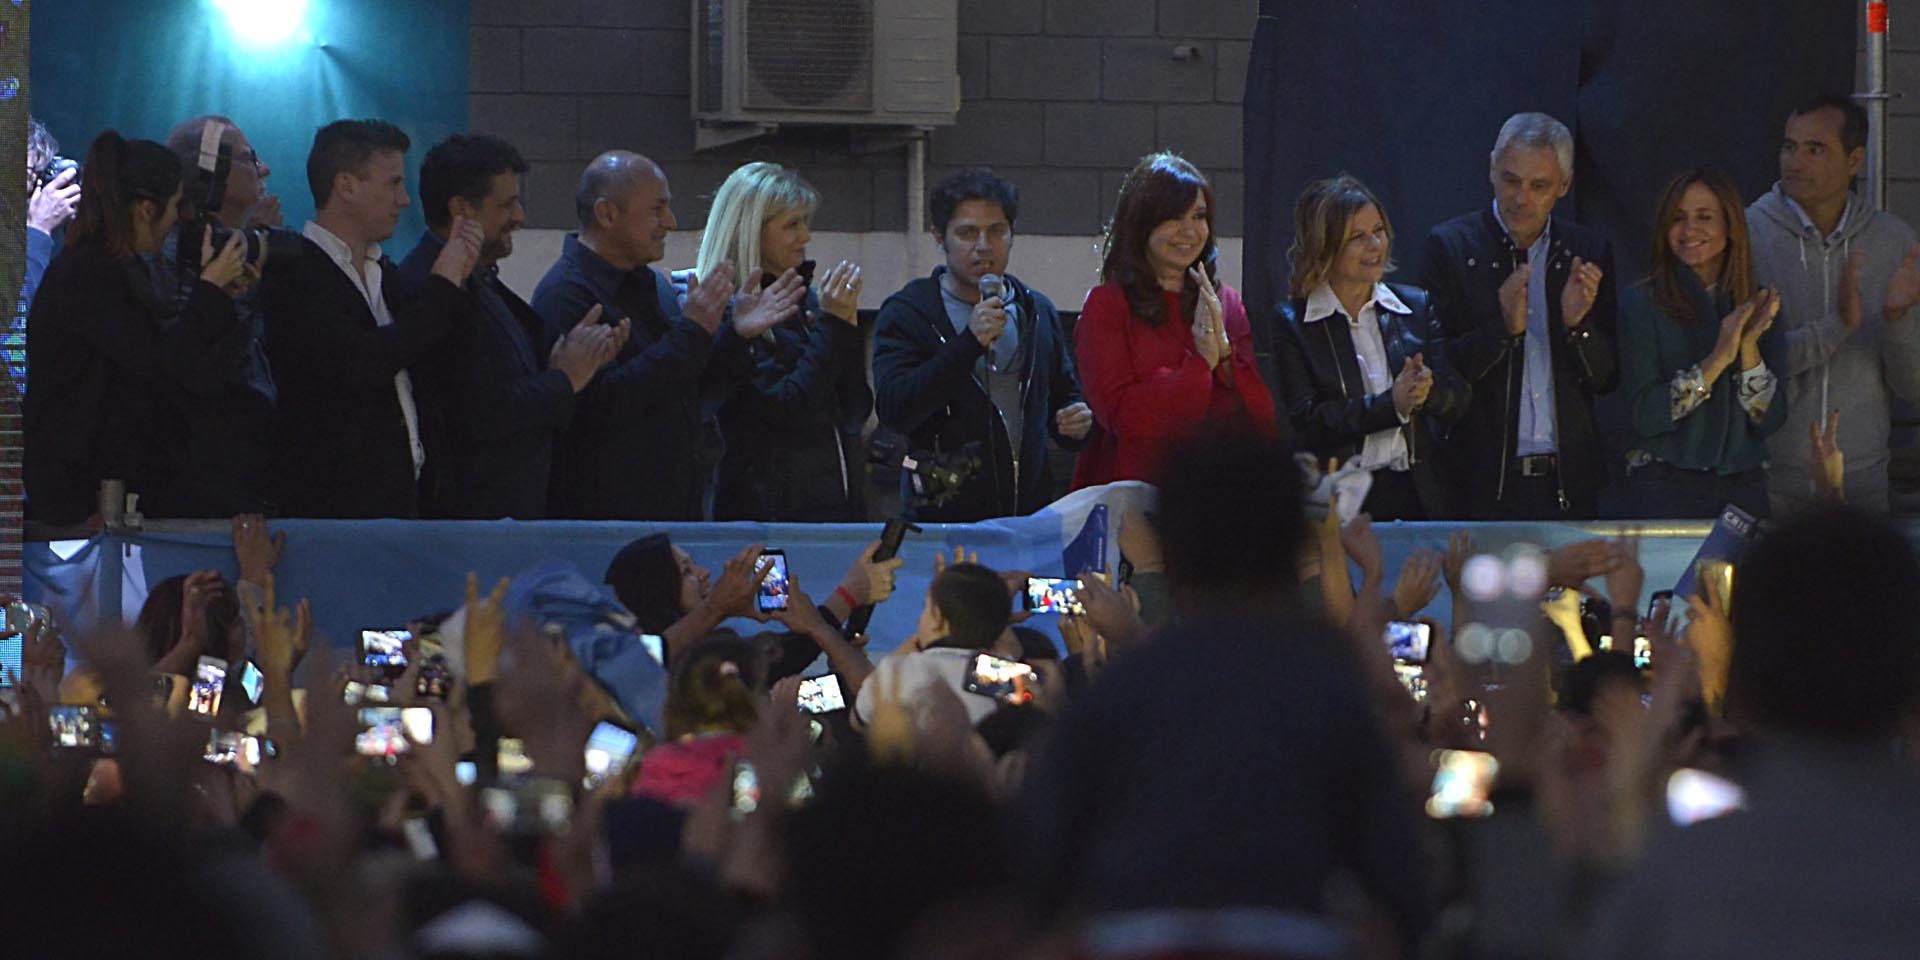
(1729, 539)
(1088, 549)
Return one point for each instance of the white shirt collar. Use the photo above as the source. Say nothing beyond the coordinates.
(1321, 303)
(1808, 223)
(1545, 231)
(336, 247)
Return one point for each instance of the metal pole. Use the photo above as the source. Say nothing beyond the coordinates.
(916, 201)
(1876, 103)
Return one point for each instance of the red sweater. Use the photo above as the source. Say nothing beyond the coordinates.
(1148, 386)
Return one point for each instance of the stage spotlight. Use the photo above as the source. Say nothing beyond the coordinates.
(263, 22)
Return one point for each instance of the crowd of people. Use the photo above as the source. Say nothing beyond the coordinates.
(307, 374)
(1245, 750)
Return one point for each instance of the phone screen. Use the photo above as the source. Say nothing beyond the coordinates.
(384, 730)
(1696, 795)
(252, 681)
(1053, 595)
(745, 789)
(357, 693)
(1407, 641)
(1462, 783)
(11, 648)
(773, 591)
(77, 728)
(383, 650)
(821, 695)
(209, 682)
(539, 806)
(1008, 681)
(609, 748)
(434, 678)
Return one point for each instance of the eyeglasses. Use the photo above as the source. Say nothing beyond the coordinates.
(252, 159)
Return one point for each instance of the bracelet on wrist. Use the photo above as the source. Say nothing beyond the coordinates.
(843, 593)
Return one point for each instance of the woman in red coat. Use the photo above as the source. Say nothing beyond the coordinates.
(1162, 348)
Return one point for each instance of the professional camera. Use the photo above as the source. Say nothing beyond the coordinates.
(935, 477)
(206, 191)
(52, 169)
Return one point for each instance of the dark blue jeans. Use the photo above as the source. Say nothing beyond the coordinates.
(1660, 491)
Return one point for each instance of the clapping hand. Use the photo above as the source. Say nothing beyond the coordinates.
(1576, 563)
(1209, 321)
(707, 297)
(1578, 296)
(1848, 295)
(757, 310)
(587, 348)
(1903, 288)
(1419, 583)
(1513, 299)
(1766, 307)
(840, 291)
(1412, 385)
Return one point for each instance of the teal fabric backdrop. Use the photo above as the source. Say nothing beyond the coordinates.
(141, 66)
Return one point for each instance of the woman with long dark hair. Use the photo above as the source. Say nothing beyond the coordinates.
(1700, 359)
(1162, 345)
(103, 386)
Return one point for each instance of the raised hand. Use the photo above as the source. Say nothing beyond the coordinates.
(1627, 577)
(43, 658)
(486, 629)
(461, 252)
(1903, 288)
(1576, 563)
(1513, 300)
(257, 550)
(707, 297)
(732, 594)
(1578, 296)
(1459, 551)
(756, 311)
(1363, 547)
(1419, 583)
(1823, 454)
(840, 291)
(870, 581)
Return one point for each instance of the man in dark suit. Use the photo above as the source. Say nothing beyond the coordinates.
(340, 341)
(641, 445)
(504, 388)
(1525, 303)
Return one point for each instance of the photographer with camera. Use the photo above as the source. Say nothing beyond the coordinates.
(231, 425)
(104, 392)
(53, 194)
(355, 438)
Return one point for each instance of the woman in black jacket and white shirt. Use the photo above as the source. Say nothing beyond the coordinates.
(109, 365)
(1360, 373)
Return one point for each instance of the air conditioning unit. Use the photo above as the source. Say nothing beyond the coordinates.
(758, 64)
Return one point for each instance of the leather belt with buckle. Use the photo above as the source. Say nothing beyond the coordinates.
(1536, 465)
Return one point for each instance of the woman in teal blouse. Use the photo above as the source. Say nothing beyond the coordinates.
(1701, 359)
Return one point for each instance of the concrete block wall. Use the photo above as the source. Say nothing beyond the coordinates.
(1062, 96)
(1903, 111)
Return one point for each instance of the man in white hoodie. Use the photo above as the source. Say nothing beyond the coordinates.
(1849, 277)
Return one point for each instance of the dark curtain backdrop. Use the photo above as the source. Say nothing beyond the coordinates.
(1408, 96)
(142, 66)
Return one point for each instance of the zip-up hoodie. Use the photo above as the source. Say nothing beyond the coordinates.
(1828, 367)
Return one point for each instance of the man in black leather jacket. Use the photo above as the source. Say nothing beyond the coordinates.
(1525, 302)
(951, 367)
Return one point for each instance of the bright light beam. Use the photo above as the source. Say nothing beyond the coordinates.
(263, 23)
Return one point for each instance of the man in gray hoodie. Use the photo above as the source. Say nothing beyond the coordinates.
(1848, 277)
